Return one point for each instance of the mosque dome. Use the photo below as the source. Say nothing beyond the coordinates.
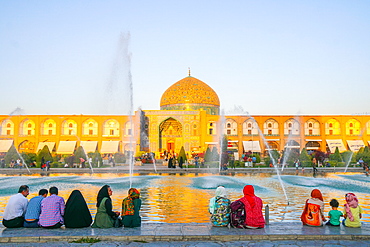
(190, 93)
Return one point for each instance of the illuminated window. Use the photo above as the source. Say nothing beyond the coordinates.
(229, 125)
(29, 125)
(229, 132)
(50, 125)
(269, 125)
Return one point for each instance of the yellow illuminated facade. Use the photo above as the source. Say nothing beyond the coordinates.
(189, 117)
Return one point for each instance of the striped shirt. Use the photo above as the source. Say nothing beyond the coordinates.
(34, 208)
(52, 211)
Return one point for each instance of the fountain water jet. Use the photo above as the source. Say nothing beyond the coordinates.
(220, 138)
(274, 163)
(287, 150)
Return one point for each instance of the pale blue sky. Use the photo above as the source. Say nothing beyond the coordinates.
(268, 57)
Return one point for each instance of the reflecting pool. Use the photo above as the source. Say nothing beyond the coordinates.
(183, 198)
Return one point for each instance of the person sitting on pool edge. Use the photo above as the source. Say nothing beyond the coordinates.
(130, 209)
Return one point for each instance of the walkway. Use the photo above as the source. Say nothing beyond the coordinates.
(162, 234)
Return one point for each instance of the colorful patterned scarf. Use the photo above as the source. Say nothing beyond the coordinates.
(352, 202)
(128, 202)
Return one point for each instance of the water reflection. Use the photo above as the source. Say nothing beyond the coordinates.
(184, 198)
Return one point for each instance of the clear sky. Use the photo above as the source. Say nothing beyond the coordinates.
(265, 57)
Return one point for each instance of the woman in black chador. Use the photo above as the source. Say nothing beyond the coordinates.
(77, 213)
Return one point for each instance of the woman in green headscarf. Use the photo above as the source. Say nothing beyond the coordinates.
(130, 209)
(105, 216)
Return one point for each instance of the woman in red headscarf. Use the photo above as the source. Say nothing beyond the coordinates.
(253, 208)
(313, 213)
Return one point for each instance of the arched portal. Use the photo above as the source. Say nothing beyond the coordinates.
(170, 135)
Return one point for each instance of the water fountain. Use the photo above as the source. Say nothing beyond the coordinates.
(288, 150)
(220, 138)
(274, 162)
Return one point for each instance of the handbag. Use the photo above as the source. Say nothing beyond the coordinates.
(118, 222)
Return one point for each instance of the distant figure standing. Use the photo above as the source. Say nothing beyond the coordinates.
(52, 210)
(170, 161)
(31, 219)
(232, 161)
(181, 161)
(196, 158)
(16, 208)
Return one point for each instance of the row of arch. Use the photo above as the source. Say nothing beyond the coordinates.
(90, 127)
(293, 127)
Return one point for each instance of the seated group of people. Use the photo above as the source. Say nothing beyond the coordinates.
(246, 212)
(51, 211)
(313, 213)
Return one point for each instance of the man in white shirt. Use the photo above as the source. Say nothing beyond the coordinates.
(16, 208)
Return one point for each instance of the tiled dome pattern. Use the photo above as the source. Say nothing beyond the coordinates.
(187, 91)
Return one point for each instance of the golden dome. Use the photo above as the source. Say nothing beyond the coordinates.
(189, 92)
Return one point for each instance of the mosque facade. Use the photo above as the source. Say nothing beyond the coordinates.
(189, 117)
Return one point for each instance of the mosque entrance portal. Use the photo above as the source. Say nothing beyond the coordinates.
(170, 134)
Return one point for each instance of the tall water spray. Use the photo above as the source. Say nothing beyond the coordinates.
(292, 132)
(274, 162)
(220, 138)
(119, 94)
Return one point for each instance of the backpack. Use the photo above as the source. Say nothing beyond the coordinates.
(221, 214)
(237, 214)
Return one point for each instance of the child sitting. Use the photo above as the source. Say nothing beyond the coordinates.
(334, 214)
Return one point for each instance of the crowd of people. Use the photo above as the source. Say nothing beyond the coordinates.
(246, 212)
(52, 212)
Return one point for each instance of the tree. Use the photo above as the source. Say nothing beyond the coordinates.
(347, 155)
(79, 153)
(224, 143)
(96, 158)
(44, 152)
(12, 154)
(304, 157)
(275, 155)
(182, 154)
(336, 156)
(208, 155)
(215, 154)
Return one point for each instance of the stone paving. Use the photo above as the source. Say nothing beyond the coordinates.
(162, 234)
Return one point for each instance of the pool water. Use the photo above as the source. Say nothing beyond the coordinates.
(183, 198)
